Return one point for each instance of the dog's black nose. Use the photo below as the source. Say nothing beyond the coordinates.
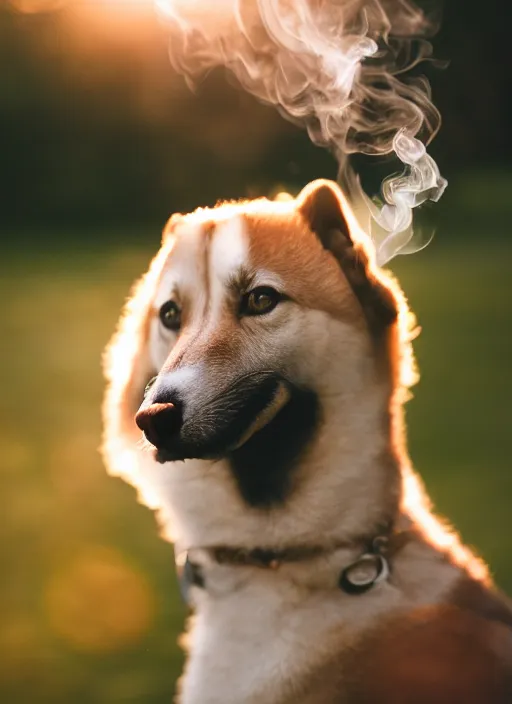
(160, 422)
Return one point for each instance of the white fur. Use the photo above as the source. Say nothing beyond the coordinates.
(229, 249)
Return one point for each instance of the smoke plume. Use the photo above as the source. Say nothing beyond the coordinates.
(337, 67)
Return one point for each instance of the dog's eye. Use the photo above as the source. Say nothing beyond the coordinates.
(170, 315)
(260, 300)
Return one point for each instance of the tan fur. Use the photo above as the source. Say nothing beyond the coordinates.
(271, 234)
(291, 636)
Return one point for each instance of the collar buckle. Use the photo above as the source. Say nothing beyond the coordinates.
(372, 567)
(363, 574)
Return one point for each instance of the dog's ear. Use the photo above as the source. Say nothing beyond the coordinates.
(328, 215)
(320, 203)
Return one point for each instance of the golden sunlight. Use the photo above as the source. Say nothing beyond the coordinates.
(126, 4)
(118, 7)
(31, 7)
(208, 11)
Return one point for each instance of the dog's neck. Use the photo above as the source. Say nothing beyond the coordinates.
(346, 484)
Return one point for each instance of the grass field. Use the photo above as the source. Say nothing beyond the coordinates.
(90, 606)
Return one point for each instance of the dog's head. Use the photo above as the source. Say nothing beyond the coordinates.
(249, 316)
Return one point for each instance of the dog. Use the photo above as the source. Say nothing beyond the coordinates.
(255, 392)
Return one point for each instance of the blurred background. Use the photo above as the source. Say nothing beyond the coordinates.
(99, 143)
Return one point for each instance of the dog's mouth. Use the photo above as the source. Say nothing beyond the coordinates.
(225, 423)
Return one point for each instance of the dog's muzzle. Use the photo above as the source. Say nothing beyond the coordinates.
(178, 430)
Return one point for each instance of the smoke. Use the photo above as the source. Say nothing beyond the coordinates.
(337, 67)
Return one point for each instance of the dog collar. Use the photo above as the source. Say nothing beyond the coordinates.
(372, 567)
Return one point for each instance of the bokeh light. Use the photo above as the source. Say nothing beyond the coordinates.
(98, 602)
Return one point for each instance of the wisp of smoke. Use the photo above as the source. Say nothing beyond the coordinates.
(337, 67)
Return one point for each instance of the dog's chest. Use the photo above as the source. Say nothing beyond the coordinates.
(260, 643)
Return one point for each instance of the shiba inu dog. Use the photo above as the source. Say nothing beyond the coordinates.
(255, 391)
